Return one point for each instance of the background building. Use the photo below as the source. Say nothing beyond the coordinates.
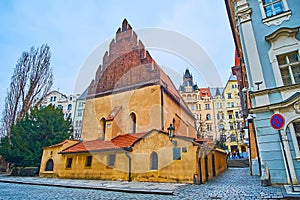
(206, 122)
(233, 122)
(61, 101)
(199, 101)
(267, 38)
(78, 115)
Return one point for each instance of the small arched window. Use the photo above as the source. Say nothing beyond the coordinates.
(49, 165)
(70, 107)
(133, 122)
(153, 161)
(102, 127)
(208, 117)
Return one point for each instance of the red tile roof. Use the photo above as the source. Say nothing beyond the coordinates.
(118, 142)
(113, 113)
(128, 139)
(204, 92)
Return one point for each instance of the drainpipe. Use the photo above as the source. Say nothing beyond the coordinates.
(128, 149)
(197, 179)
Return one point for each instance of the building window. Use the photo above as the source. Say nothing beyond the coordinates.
(228, 104)
(231, 126)
(133, 122)
(176, 154)
(198, 107)
(71, 98)
(274, 12)
(232, 137)
(230, 116)
(153, 161)
(219, 105)
(88, 161)
(69, 163)
(229, 96)
(208, 117)
(209, 127)
(237, 115)
(232, 104)
(70, 107)
(207, 106)
(102, 127)
(222, 115)
(238, 126)
(54, 98)
(218, 116)
(49, 165)
(272, 7)
(192, 107)
(111, 160)
(289, 67)
(79, 114)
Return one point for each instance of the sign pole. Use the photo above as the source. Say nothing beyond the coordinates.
(277, 122)
(286, 161)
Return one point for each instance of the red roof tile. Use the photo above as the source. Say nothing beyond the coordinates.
(204, 92)
(92, 145)
(128, 139)
(113, 113)
(118, 142)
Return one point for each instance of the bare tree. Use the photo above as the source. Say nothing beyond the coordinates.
(31, 81)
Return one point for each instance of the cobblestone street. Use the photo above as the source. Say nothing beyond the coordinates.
(235, 183)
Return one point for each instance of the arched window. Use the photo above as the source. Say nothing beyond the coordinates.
(153, 161)
(70, 107)
(133, 122)
(102, 127)
(208, 117)
(49, 165)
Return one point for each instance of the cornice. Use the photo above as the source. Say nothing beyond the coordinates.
(285, 31)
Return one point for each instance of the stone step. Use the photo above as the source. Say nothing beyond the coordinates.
(238, 163)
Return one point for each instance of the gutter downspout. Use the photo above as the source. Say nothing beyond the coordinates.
(128, 149)
(197, 179)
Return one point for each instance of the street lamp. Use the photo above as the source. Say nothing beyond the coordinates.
(171, 130)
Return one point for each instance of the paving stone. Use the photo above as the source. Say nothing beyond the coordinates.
(235, 183)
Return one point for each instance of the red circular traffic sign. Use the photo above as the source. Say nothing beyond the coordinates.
(277, 121)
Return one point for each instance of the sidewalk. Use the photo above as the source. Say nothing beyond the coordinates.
(119, 186)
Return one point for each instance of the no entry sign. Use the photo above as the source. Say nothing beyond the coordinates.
(277, 121)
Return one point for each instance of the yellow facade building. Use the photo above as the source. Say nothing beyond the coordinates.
(233, 126)
(136, 126)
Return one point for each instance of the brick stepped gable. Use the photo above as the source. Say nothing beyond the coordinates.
(126, 64)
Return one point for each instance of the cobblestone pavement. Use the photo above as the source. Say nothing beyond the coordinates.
(235, 183)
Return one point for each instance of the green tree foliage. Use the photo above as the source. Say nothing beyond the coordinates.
(41, 128)
(30, 82)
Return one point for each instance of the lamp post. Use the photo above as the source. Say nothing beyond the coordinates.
(171, 130)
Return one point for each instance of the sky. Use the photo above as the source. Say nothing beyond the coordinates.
(75, 29)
